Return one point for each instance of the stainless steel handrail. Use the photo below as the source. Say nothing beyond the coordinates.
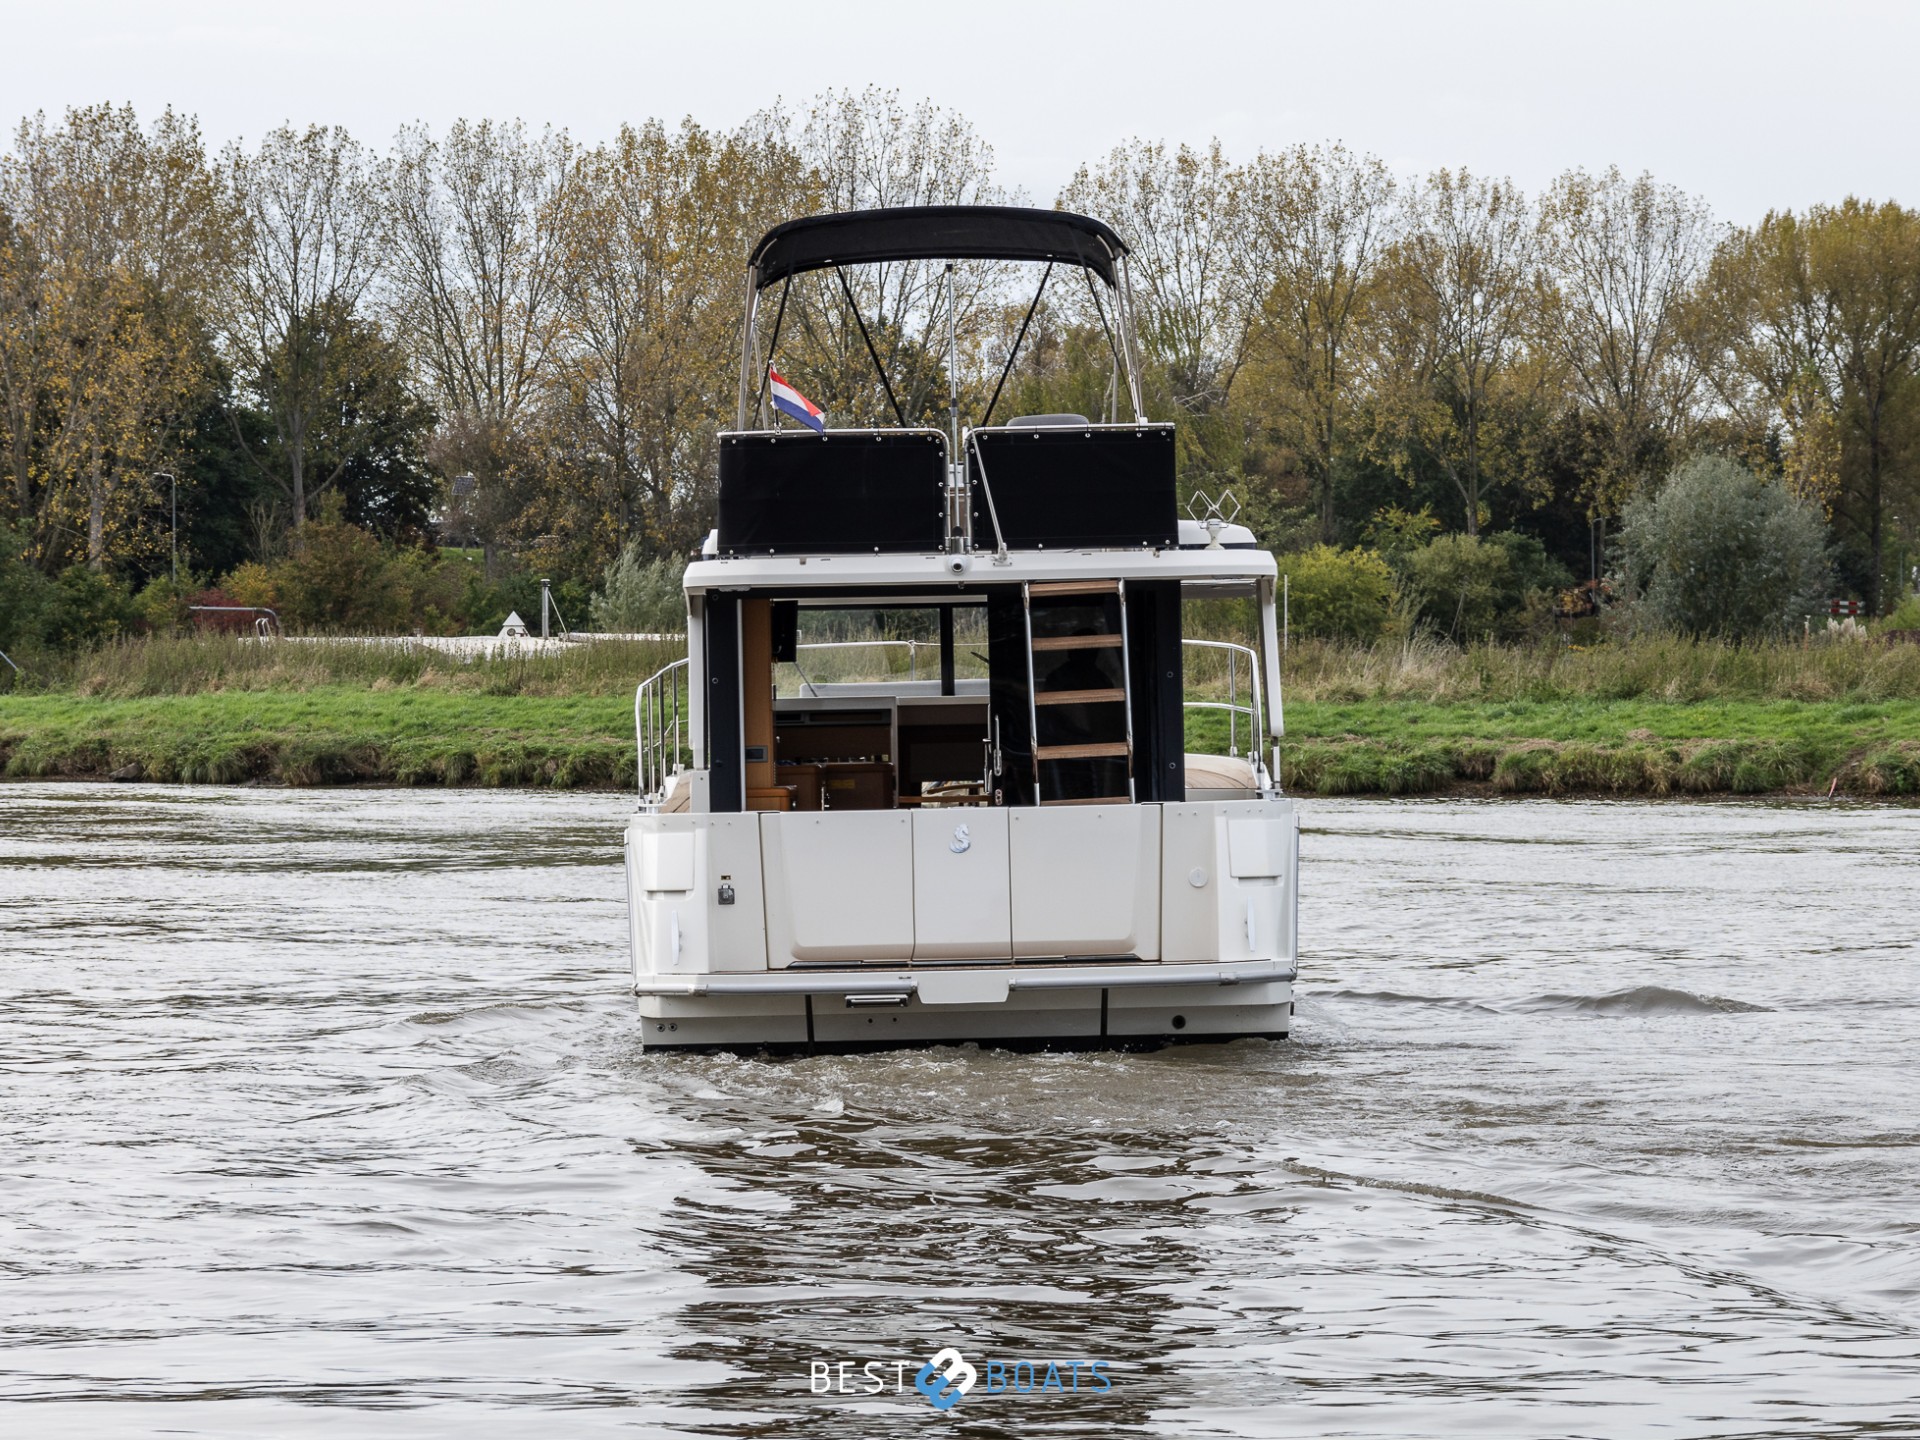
(657, 724)
(1255, 712)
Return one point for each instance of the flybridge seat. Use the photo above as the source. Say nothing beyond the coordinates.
(1060, 483)
(845, 492)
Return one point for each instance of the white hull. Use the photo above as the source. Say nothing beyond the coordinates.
(1071, 926)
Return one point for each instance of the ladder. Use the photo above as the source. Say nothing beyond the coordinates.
(1077, 686)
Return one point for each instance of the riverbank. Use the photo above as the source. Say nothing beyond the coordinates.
(1652, 718)
(341, 735)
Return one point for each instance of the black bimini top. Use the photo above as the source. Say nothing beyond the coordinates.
(936, 232)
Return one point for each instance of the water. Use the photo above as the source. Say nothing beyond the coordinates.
(325, 1113)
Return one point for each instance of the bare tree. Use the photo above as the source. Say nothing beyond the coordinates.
(1176, 209)
(475, 290)
(312, 246)
(1459, 300)
(1622, 257)
(1310, 228)
(868, 150)
(656, 229)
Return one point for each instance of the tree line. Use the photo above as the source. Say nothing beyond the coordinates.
(502, 337)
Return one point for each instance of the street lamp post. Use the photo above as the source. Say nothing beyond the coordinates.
(173, 520)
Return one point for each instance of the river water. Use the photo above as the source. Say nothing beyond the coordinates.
(325, 1113)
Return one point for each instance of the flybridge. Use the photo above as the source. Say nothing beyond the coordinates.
(1032, 483)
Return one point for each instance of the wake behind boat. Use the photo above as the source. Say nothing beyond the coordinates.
(1024, 856)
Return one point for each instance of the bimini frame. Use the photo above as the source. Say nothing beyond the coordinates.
(938, 232)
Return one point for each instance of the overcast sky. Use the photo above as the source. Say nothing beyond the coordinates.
(1754, 105)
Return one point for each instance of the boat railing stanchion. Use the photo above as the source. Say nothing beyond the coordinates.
(1254, 707)
(1233, 700)
(656, 726)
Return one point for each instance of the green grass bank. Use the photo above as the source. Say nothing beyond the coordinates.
(1645, 718)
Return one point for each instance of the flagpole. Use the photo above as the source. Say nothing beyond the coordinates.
(953, 365)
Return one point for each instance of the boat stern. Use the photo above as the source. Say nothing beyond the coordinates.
(1072, 926)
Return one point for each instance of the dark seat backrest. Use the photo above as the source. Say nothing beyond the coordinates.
(1064, 487)
(847, 492)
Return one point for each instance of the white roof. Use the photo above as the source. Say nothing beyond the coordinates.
(1191, 562)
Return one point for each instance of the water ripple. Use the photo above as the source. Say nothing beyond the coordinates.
(325, 1112)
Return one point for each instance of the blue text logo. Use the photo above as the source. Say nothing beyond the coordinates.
(945, 1379)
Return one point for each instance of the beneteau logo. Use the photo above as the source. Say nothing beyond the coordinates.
(947, 1378)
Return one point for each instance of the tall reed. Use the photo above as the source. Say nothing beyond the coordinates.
(205, 664)
(1647, 668)
(1420, 669)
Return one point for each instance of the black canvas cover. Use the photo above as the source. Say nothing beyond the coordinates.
(1157, 667)
(1076, 488)
(842, 493)
(936, 232)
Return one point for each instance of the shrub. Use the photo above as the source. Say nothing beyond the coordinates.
(640, 596)
(84, 607)
(1905, 616)
(1720, 551)
(79, 607)
(23, 595)
(345, 579)
(249, 584)
(1398, 533)
(349, 580)
(1468, 587)
(162, 604)
(1338, 594)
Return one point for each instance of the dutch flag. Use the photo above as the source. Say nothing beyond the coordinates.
(790, 401)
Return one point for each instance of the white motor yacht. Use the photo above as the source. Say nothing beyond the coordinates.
(1007, 844)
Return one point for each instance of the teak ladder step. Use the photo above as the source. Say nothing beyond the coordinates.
(1099, 750)
(1079, 642)
(1074, 587)
(1094, 702)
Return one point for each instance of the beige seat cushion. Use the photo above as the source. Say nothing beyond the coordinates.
(1220, 777)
